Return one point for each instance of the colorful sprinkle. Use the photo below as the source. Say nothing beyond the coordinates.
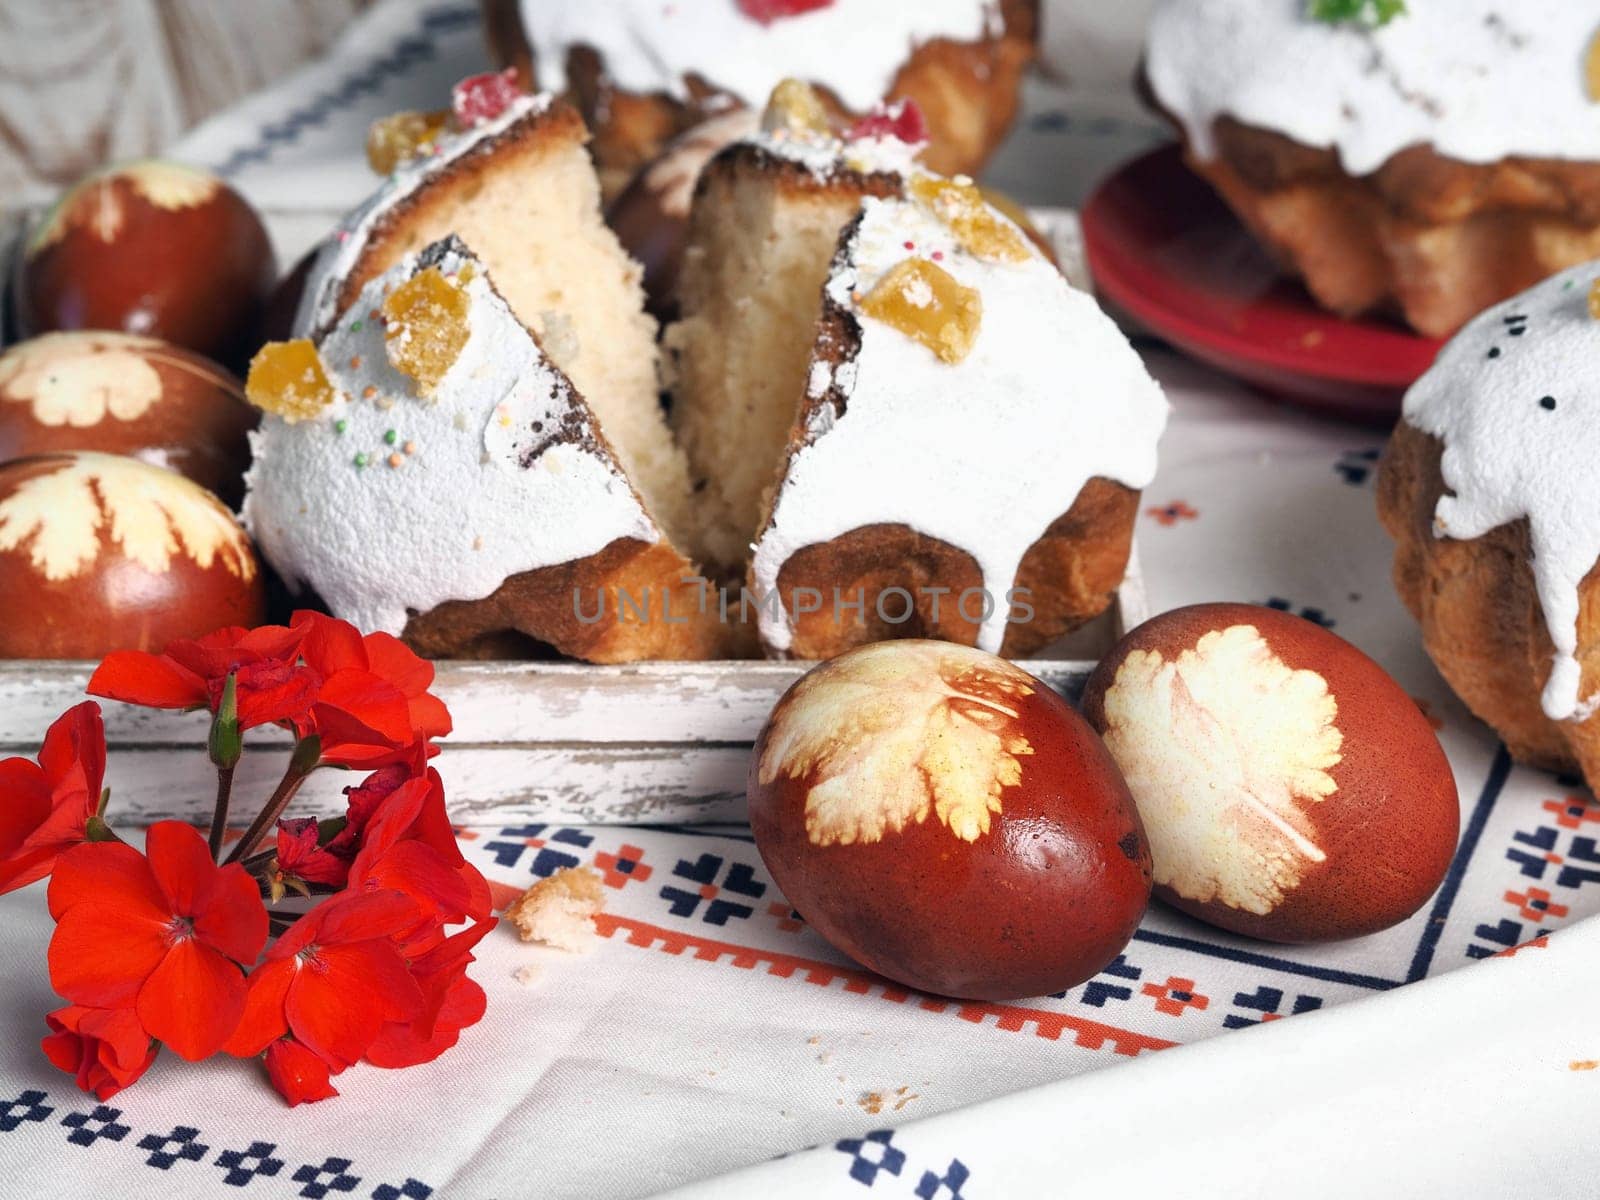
(355, 326)
(341, 425)
(390, 437)
(938, 256)
(361, 459)
(409, 447)
(396, 460)
(368, 392)
(355, 362)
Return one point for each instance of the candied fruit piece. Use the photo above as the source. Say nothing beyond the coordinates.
(287, 378)
(397, 139)
(929, 305)
(961, 206)
(1591, 68)
(1594, 299)
(795, 108)
(903, 121)
(479, 98)
(768, 11)
(426, 325)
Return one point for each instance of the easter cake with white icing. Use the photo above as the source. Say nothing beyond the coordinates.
(1427, 158)
(969, 447)
(510, 175)
(641, 71)
(1490, 491)
(425, 469)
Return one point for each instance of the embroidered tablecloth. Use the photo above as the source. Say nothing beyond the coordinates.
(709, 1031)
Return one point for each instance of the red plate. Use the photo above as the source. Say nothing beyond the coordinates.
(1166, 251)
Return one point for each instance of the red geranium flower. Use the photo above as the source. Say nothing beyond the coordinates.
(300, 856)
(272, 687)
(298, 1075)
(106, 1048)
(164, 934)
(407, 845)
(45, 807)
(333, 980)
(374, 705)
(451, 1002)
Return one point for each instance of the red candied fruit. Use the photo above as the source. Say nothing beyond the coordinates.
(768, 11)
(479, 98)
(903, 121)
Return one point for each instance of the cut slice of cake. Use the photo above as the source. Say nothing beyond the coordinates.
(762, 230)
(967, 453)
(511, 176)
(427, 470)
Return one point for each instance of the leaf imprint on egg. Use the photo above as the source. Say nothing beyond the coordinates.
(1225, 748)
(897, 730)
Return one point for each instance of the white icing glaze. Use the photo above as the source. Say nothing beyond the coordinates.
(460, 515)
(853, 47)
(983, 454)
(1507, 456)
(1477, 79)
(338, 254)
(825, 155)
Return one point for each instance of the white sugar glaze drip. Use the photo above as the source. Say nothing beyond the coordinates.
(1507, 455)
(338, 254)
(854, 48)
(1477, 79)
(983, 454)
(462, 513)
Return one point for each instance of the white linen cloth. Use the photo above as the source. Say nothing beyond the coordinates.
(709, 1032)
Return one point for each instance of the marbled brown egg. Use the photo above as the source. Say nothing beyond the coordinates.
(100, 552)
(150, 247)
(123, 393)
(1291, 789)
(946, 819)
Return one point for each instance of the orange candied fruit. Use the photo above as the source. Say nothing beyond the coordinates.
(929, 305)
(426, 325)
(287, 378)
(795, 107)
(395, 140)
(979, 229)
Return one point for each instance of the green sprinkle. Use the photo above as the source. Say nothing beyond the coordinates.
(355, 327)
(361, 460)
(341, 425)
(1371, 13)
(390, 438)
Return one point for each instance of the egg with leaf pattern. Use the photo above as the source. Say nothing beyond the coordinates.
(947, 820)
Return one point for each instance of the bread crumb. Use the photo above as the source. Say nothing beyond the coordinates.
(559, 911)
(525, 975)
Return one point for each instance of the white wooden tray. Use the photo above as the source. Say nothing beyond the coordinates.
(534, 742)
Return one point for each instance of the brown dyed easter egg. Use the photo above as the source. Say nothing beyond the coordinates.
(1291, 790)
(100, 552)
(948, 821)
(123, 393)
(150, 247)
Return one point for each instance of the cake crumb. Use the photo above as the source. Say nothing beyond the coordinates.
(871, 1103)
(559, 911)
(525, 975)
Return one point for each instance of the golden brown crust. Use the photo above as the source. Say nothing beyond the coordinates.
(630, 602)
(1481, 620)
(968, 91)
(1429, 237)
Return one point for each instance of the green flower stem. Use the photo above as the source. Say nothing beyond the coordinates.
(219, 814)
(307, 752)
